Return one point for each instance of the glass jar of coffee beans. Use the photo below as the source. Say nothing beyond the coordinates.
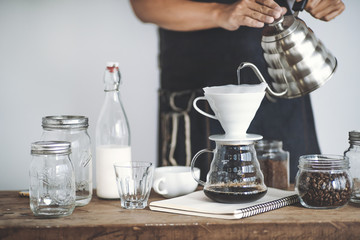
(323, 181)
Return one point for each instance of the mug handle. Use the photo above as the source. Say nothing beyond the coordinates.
(201, 111)
(156, 185)
(193, 165)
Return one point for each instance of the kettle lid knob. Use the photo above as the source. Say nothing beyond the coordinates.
(280, 28)
(278, 23)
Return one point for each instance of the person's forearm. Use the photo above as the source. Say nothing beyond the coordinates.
(179, 15)
(186, 15)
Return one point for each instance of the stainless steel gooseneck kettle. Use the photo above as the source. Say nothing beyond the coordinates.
(297, 61)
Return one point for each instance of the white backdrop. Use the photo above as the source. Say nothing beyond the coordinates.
(52, 58)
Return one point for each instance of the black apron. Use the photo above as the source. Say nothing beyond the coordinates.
(192, 60)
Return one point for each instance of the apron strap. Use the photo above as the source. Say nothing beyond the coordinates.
(170, 126)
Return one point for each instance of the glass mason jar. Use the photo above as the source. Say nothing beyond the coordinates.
(73, 129)
(323, 181)
(52, 180)
(353, 153)
(274, 163)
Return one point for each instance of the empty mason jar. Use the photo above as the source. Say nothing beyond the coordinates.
(323, 181)
(52, 180)
(74, 130)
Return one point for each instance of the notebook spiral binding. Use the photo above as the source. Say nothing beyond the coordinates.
(265, 207)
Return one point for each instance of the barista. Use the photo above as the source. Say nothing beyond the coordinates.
(202, 42)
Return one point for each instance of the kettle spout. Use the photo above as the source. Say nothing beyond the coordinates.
(261, 78)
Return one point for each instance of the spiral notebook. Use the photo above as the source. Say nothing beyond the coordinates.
(197, 204)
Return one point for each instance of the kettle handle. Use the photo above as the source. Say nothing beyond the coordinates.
(299, 6)
(261, 78)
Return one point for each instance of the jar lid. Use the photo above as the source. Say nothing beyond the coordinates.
(354, 136)
(280, 28)
(50, 147)
(65, 122)
(323, 162)
(269, 144)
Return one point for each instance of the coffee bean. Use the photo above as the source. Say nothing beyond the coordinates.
(321, 189)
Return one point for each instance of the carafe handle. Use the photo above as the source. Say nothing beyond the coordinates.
(201, 111)
(193, 165)
(261, 78)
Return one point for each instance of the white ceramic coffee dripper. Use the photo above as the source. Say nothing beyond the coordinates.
(234, 106)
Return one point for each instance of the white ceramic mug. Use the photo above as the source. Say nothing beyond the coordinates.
(173, 181)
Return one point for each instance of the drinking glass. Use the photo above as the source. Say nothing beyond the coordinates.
(134, 182)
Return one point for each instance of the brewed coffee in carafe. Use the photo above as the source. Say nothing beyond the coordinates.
(235, 175)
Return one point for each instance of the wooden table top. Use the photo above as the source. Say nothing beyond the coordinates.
(105, 219)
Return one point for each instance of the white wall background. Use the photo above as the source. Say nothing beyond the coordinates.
(52, 58)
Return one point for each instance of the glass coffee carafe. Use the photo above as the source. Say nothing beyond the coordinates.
(235, 175)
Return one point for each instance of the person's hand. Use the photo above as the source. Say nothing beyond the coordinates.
(325, 10)
(251, 13)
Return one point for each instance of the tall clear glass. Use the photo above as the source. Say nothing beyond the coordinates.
(74, 130)
(112, 135)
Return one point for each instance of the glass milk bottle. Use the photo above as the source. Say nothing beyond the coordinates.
(353, 153)
(112, 135)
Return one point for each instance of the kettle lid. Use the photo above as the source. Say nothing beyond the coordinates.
(280, 28)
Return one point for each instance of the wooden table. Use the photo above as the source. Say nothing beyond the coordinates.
(104, 219)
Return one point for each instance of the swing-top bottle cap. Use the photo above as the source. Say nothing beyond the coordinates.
(112, 64)
(112, 76)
